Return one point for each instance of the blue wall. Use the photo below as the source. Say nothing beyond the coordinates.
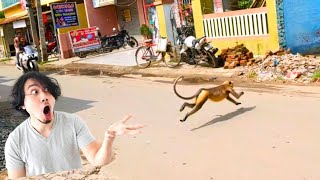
(302, 25)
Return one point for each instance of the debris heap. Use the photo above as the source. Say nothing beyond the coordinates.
(282, 65)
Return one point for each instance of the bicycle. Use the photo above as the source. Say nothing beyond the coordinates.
(146, 54)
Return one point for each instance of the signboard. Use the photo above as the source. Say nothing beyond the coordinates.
(8, 3)
(84, 39)
(64, 14)
(126, 15)
(101, 3)
(19, 24)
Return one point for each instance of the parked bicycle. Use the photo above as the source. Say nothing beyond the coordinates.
(145, 54)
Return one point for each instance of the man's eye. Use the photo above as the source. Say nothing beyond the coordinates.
(34, 92)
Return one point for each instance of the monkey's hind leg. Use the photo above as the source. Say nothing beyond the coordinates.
(232, 100)
(195, 109)
(188, 105)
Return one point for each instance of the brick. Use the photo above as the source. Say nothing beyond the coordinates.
(252, 59)
(226, 65)
(236, 59)
(231, 67)
(228, 60)
(249, 55)
(244, 58)
(224, 51)
(243, 62)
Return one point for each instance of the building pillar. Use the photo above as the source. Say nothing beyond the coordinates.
(197, 18)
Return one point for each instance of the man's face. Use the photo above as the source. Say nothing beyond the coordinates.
(18, 34)
(38, 101)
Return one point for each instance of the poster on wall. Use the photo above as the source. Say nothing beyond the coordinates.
(84, 39)
(126, 15)
(64, 14)
(101, 3)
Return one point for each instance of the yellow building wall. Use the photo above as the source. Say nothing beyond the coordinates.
(257, 45)
(82, 20)
(161, 20)
(12, 11)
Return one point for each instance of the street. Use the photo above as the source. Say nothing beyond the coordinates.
(273, 134)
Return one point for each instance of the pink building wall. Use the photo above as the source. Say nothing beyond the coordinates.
(104, 17)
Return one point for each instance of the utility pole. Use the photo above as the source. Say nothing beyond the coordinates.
(35, 38)
(43, 47)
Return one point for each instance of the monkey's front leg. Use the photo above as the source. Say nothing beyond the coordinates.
(232, 100)
(236, 95)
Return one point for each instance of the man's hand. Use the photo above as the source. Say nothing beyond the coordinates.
(120, 128)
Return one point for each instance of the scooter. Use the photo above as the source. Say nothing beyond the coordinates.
(28, 59)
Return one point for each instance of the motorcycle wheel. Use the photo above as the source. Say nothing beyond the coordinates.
(133, 42)
(185, 58)
(33, 65)
(212, 60)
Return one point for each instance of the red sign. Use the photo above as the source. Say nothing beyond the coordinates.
(84, 39)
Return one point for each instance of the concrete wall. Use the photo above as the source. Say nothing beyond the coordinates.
(302, 26)
(104, 17)
(133, 26)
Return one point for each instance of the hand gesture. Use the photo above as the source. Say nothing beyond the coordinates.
(120, 128)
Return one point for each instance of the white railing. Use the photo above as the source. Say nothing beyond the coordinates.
(242, 23)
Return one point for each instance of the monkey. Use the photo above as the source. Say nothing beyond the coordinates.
(215, 94)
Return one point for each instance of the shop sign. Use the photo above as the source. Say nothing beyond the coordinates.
(64, 14)
(101, 3)
(84, 39)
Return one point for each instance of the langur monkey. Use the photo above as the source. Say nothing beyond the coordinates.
(215, 94)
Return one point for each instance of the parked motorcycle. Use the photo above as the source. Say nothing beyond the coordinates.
(28, 59)
(196, 50)
(52, 48)
(118, 40)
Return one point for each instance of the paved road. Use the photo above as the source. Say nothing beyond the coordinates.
(274, 134)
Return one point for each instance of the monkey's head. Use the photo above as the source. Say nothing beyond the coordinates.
(228, 83)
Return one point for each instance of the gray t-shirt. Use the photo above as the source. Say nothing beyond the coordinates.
(26, 148)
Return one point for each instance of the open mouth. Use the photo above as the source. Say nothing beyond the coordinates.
(46, 110)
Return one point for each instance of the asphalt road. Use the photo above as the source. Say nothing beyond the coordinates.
(273, 134)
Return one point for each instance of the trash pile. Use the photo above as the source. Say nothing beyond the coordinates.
(282, 65)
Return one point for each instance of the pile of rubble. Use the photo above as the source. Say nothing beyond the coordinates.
(237, 56)
(282, 65)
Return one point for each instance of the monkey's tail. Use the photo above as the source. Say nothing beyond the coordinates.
(186, 98)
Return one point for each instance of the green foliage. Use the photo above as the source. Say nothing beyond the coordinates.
(145, 30)
(316, 74)
(244, 4)
(2, 15)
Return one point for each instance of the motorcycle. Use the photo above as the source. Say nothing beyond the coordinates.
(28, 59)
(194, 51)
(118, 40)
(52, 48)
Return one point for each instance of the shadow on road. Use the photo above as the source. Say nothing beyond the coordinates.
(226, 116)
(72, 105)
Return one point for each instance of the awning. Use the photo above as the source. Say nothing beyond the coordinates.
(15, 17)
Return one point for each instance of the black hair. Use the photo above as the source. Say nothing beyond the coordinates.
(18, 94)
